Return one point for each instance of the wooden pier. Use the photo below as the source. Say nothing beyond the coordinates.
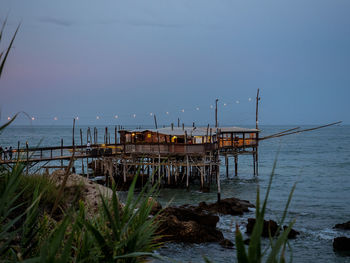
(174, 156)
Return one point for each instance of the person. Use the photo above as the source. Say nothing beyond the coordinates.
(10, 153)
(1, 151)
(5, 153)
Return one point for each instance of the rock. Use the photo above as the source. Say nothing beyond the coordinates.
(197, 224)
(341, 244)
(225, 243)
(228, 206)
(292, 233)
(180, 224)
(270, 227)
(345, 226)
(88, 191)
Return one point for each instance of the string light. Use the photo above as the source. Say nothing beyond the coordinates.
(182, 110)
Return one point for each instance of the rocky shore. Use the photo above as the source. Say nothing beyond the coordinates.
(197, 224)
(342, 243)
(270, 227)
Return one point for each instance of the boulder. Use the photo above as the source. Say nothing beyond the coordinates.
(270, 227)
(292, 233)
(179, 224)
(345, 226)
(341, 244)
(228, 206)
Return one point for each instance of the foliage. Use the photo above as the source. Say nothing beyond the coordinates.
(4, 54)
(125, 232)
(275, 252)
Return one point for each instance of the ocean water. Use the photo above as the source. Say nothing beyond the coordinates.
(318, 161)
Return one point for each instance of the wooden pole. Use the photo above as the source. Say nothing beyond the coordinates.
(124, 170)
(257, 154)
(155, 121)
(82, 159)
(226, 163)
(257, 110)
(236, 164)
(18, 145)
(187, 172)
(61, 152)
(216, 113)
(210, 165)
(207, 139)
(87, 135)
(218, 178)
(254, 167)
(115, 134)
(178, 122)
(73, 142)
(87, 165)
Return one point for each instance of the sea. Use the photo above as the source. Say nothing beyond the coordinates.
(318, 162)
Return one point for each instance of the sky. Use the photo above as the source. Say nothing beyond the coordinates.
(121, 62)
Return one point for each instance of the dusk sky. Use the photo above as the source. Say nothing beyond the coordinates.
(106, 58)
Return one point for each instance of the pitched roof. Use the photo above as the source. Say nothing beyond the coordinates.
(194, 131)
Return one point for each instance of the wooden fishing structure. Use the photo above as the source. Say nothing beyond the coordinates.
(172, 156)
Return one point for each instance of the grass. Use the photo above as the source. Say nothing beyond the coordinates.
(118, 233)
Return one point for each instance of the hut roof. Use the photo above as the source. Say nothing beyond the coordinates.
(237, 129)
(193, 131)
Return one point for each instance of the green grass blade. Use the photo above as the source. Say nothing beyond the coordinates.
(241, 253)
(8, 51)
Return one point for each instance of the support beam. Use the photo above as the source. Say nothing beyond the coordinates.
(236, 164)
(227, 165)
(218, 178)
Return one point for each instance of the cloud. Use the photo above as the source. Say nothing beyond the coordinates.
(56, 21)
